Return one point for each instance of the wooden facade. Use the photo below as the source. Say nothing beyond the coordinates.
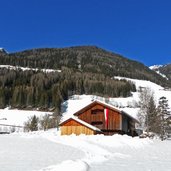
(74, 127)
(93, 114)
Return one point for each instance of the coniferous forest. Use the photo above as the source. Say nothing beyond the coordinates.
(84, 70)
(37, 89)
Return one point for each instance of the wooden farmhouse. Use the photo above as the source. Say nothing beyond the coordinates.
(99, 118)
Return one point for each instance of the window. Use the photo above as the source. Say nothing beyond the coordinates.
(97, 123)
(96, 111)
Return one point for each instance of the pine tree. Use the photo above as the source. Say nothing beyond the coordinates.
(34, 123)
(164, 114)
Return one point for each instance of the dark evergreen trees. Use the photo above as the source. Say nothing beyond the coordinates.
(38, 89)
(85, 59)
(164, 114)
(84, 70)
(152, 116)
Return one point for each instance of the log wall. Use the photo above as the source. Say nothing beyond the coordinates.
(77, 130)
(114, 118)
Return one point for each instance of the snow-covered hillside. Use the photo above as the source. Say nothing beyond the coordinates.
(129, 104)
(156, 69)
(157, 89)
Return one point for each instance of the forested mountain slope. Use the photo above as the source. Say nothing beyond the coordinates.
(85, 59)
(84, 70)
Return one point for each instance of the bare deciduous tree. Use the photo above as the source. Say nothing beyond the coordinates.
(148, 114)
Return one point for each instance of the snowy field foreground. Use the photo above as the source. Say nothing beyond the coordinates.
(48, 151)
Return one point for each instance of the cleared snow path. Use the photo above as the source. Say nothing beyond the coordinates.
(21, 153)
(104, 153)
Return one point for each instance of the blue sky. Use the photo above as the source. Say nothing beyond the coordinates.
(137, 29)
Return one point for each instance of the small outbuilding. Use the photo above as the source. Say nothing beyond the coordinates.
(76, 126)
(99, 118)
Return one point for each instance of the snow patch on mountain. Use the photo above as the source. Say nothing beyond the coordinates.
(27, 68)
(155, 67)
(3, 50)
(164, 76)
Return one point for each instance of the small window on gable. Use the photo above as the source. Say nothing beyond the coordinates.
(96, 111)
(97, 123)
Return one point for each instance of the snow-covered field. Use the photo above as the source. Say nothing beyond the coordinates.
(48, 151)
(14, 117)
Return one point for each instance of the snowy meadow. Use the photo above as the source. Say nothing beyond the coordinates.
(48, 151)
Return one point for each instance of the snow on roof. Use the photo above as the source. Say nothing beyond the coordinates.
(125, 112)
(75, 104)
(107, 104)
(82, 122)
(103, 103)
(100, 102)
(132, 111)
(122, 111)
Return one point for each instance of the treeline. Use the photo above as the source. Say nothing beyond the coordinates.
(37, 89)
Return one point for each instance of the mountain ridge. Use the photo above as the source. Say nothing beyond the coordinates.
(83, 58)
(78, 70)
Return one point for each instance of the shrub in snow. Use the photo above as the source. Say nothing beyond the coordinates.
(49, 121)
(44, 122)
(31, 124)
(149, 135)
